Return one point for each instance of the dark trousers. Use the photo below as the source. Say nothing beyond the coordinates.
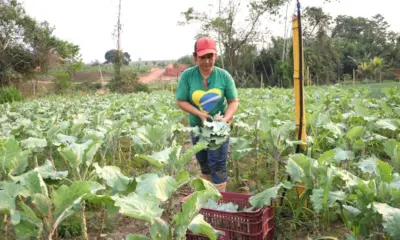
(213, 162)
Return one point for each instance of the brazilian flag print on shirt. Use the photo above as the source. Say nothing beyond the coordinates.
(221, 87)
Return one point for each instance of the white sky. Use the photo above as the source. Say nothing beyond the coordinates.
(150, 29)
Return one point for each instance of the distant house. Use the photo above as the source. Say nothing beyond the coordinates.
(172, 71)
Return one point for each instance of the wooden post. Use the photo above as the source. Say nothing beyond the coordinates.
(101, 77)
(326, 75)
(262, 81)
(354, 77)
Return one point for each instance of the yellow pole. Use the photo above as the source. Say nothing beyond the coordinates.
(298, 81)
(298, 85)
(299, 91)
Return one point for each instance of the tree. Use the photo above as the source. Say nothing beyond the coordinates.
(333, 47)
(26, 43)
(233, 36)
(111, 57)
(188, 59)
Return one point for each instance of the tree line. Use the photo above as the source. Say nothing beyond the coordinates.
(29, 46)
(335, 49)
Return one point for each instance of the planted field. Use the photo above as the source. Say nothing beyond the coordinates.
(68, 159)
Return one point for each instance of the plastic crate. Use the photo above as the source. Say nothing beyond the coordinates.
(253, 225)
(191, 236)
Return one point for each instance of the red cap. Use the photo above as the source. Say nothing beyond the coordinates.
(205, 45)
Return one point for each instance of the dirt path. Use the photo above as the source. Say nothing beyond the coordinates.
(154, 75)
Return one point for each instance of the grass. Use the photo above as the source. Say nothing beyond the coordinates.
(110, 68)
(104, 69)
(375, 87)
(163, 85)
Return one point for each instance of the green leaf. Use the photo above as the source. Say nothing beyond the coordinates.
(351, 212)
(189, 153)
(43, 203)
(26, 229)
(143, 207)
(7, 205)
(355, 132)
(33, 182)
(309, 167)
(342, 155)
(386, 124)
(114, 178)
(190, 209)
(64, 139)
(66, 197)
(264, 198)
(47, 171)
(350, 179)
(183, 178)
(333, 196)
(34, 144)
(158, 159)
(368, 165)
(201, 184)
(13, 160)
(239, 148)
(392, 226)
(30, 225)
(159, 230)
(392, 149)
(391, 218)
(199, 226)
(294, 170)
(77, 154)
(327, 157)
(13, 189)
(162, 188)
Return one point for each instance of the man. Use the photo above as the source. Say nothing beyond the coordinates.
(203, 91)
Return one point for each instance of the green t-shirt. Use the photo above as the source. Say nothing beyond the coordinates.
(221, 87)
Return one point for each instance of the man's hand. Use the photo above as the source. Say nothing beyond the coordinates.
(203, 116)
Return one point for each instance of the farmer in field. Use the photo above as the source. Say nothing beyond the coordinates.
(203, 91)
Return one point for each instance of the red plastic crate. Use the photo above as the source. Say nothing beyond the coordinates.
(255, 225)
(191, 236)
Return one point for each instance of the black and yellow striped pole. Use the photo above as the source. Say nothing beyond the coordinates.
(298, 75)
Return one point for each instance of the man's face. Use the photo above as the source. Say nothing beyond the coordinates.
(206, 62)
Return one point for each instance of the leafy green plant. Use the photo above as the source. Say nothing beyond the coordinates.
(62, 82)
(212, 134)
(10, 94)
(128, 83)
(189, 218)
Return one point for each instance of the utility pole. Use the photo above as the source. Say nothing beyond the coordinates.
(119, 27)
(285, 34)
(118, 60)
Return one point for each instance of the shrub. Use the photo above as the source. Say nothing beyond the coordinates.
(62, 82)
(128, 83)
(141, 87)
(87, 86)
(10, 94)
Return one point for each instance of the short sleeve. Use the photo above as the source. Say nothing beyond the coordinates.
(182, 90)
(230, 87)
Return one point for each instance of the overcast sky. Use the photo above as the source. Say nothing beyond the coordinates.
(150, 29)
